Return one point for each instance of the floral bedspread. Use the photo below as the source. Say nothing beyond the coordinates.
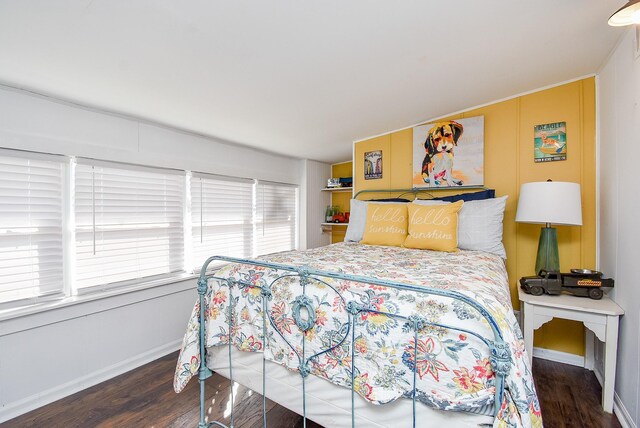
(453, 368)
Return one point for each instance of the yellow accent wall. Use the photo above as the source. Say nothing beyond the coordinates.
(341, 199)
(508, 162)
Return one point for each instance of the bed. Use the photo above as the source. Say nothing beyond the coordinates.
(449, 312)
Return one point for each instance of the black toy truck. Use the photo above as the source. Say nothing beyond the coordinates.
(579, 282)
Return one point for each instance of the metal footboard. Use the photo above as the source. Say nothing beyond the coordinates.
(303, 312)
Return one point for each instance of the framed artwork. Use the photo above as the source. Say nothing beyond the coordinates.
(373, 165)
(550, 142)
(449, 153)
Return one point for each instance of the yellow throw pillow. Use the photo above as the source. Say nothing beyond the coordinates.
(386, 224)
(433, 227)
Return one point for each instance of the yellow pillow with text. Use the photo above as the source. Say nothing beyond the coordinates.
(433, 227)
(386, 224)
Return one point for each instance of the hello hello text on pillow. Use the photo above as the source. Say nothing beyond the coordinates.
(433, 227)
(386, 224)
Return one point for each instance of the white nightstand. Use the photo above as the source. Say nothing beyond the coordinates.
(599, 316)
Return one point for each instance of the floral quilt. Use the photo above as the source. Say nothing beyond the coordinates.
(452, 367)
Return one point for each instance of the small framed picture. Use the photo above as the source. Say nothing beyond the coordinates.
(550, 142)
(373, 165)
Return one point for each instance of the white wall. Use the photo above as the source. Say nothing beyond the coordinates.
(47, 355)
(317, 174)
(619, 251)
(35, 123)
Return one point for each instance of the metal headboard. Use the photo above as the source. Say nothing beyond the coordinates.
(414, 191)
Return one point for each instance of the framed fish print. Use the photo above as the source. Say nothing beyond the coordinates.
(550, 142)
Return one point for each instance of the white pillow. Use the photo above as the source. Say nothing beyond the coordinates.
(480, 224)
(358, 219)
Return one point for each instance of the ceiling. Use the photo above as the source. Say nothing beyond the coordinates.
(298, 77)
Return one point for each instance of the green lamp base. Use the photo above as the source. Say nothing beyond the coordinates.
(548, 258)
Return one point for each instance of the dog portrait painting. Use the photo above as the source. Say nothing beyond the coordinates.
(449, 153)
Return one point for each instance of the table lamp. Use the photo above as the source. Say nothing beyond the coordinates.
(546, 203)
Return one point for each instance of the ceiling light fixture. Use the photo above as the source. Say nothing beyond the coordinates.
(627, 15)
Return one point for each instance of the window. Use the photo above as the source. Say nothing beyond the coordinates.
(72, 226)
(276, 208)
(129, 223)
(31, 238)
(221, 217)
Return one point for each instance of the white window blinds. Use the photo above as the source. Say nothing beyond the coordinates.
(68, 227)
(276, 209)
(31, 238)
(129, 223)
(221, 217)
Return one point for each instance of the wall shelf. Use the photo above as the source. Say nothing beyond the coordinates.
(337, 189)
(339, 197)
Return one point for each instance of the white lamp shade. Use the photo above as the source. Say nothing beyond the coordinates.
(554, 202)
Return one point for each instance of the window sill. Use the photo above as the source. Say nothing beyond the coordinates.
(130, 286)
(47, 312)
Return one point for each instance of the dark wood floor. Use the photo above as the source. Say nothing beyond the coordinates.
(570, 397)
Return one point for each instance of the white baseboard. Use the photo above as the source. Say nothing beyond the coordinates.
(621, 413)
(17, 408)
(559, 357)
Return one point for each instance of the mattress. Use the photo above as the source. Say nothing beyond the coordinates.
(452, 364)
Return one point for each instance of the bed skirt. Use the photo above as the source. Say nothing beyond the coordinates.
(330, 405)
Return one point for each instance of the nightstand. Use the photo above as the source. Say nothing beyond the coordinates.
(599, 316)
